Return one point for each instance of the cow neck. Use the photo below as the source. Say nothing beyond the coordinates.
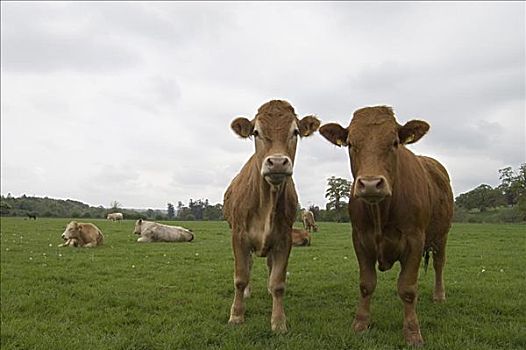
(379, 214)
(269, 197)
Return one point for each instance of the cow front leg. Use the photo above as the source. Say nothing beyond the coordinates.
(276, 285)
(367, 265)
(241, 279)
(362, 319)
(407, 290)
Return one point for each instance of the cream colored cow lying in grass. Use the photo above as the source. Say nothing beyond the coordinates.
(81, 235)
(154, 232)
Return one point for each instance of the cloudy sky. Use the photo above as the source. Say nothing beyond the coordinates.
(132, 101)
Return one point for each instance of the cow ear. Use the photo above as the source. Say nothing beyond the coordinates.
(308, 125)
(335, 133)
(412, 131)
(242, 126)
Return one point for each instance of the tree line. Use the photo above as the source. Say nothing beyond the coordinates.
(503, 203)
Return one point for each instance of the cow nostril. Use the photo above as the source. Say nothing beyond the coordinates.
(361, 185)
(270, 162)
(380, 184)
(285, 161)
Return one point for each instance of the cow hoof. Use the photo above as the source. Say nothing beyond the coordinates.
(236, 320)
(279, 326)
(413, 338)
(439, 297)
(359, 326)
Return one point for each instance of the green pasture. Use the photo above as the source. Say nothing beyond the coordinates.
(126, 295)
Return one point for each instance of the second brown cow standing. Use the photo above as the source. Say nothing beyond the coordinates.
(401, 206)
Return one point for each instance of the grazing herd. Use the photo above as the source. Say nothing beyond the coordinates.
(400, 206)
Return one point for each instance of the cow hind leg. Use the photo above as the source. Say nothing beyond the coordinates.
(241, 280)
(248, 290)
(276, 286)
(439, 260)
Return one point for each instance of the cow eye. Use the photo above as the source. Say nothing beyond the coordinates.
(395, 144)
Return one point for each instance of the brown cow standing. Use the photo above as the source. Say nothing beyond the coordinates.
(401, 207)
(260, 203)
(308, 221)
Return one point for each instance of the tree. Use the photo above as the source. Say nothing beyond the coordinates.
(337, 189)
(315, 211)
(171, 211)
(115, 206)
(482, 198)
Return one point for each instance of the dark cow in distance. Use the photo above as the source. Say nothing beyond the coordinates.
(260, 203)
(401, 207)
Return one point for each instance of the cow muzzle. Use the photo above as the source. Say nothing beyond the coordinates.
(276, 169)
(372, 189)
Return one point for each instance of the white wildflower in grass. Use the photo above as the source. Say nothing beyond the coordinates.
(30, 258)
(44, 254)
(315, 258)
(196, 254)
(164, 254)
(51, 244)
(501, 270)
(6, 249)
(59, 255)
(133, 266)
(345, 258)
(483, 270)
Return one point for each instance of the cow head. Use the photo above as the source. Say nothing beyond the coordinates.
(138, 227)
(275, 130)
(374, 139)
(72, 231)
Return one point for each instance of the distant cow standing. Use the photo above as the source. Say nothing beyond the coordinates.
(308, 221)
(260, 203)
(79, 234)
(31, 216)
(155, 232)
(115, 217)
(401, 207)
(300, 238)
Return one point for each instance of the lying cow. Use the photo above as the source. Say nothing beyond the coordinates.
(154, 232)
(81, 235)
(260, 203)
(308, 221)
(401, 207)
(115, 217)
(300, 238)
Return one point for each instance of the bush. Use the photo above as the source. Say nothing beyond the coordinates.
(511, 215)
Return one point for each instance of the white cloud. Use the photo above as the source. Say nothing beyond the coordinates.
(140, 95)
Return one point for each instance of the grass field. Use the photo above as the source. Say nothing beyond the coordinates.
(126, 295)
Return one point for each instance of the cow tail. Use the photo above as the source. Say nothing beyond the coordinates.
(426, 259)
